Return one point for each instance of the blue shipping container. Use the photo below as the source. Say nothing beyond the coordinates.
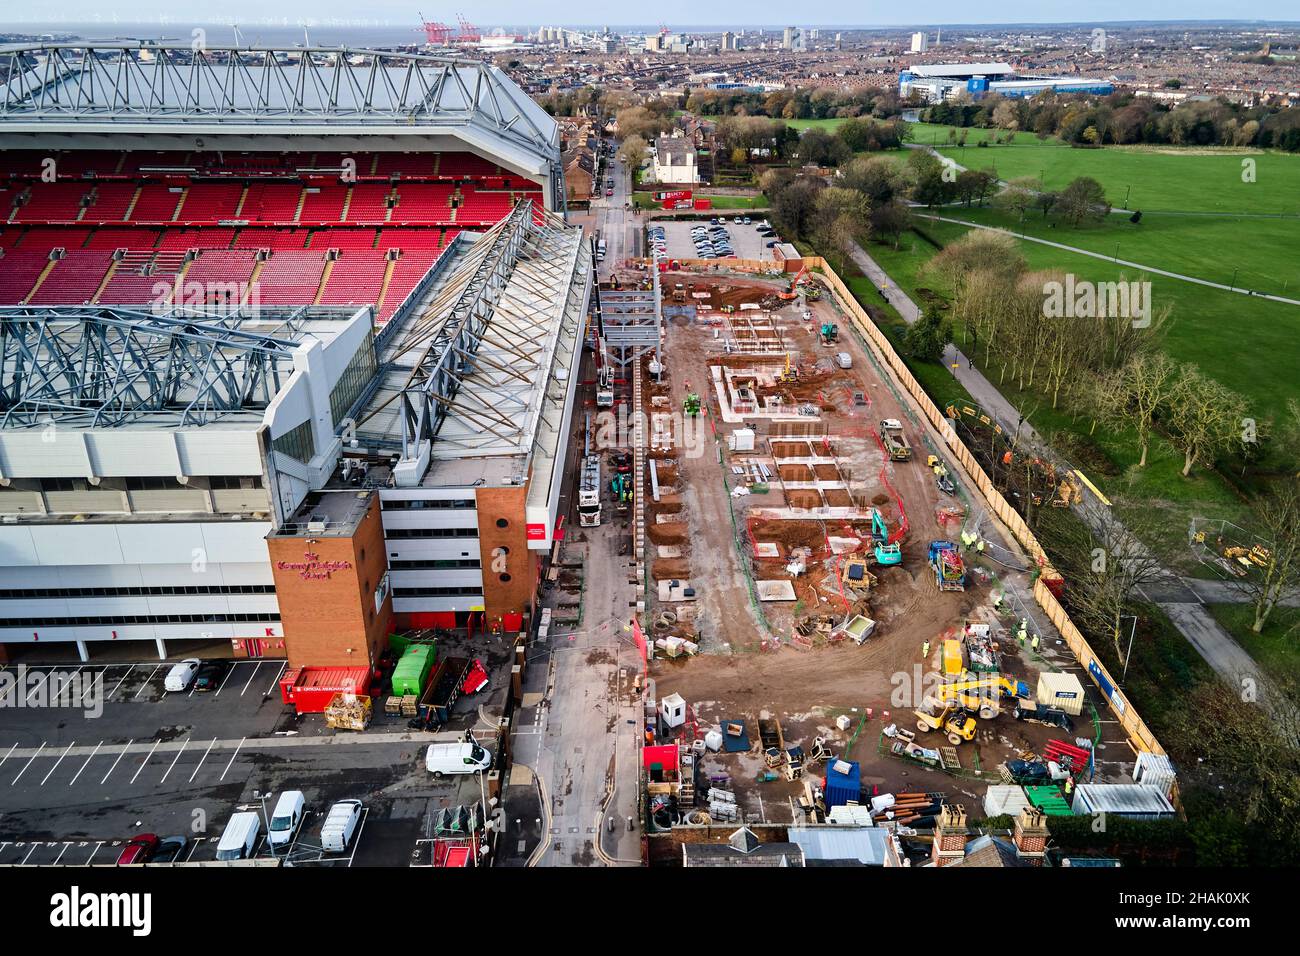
(842, 787)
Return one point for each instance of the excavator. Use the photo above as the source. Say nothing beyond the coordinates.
(886, 554)
(801, 278)
(983, 695)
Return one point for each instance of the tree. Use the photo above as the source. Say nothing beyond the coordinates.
(1134, 395)
(632, 152)
(1105, 562)
(793, 206)
(927, 337)
(1278, 521)
(1018, 196)
(1205, 417)
(841, 219)
(1083, 200)
(891, 218)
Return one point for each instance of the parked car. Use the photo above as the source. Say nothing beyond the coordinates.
(170, 850)
(139, 849)
(456, 758)
(286, 818)
(340, 825)
(181, 675)
(210, 675)
(239, 839)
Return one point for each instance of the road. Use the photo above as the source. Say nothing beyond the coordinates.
(1180, 603)
(620, 227)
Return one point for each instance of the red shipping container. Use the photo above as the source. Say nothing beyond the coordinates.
(310, 689)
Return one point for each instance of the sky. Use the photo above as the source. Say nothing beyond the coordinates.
(673, 13)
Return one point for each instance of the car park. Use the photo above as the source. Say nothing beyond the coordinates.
(181, 675)
(139, 849)
(210, 675)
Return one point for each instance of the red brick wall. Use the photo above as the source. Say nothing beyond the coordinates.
(502, 598)
(327, 608)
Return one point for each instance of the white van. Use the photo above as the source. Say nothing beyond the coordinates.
(289, 810)
(239, 841)
(457, 758)
(180, 675)
(844, 360)
(340, 825)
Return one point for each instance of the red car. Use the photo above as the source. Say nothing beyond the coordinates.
(140, 849)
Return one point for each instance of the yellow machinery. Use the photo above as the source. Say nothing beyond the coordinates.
(952, 659)
(982, 695)
(956, 722)
(791, 372)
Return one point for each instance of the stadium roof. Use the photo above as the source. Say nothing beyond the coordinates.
(146, 87)
(484, 365)
(961, 69)
(105, 366)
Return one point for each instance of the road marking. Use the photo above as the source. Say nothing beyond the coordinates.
(146, 759)
(28, 764)
(6, 756)
(87, 763)
(56, 764)
(93, 853)
(146, 682)
(201, 759)
(38, 686)
(270, 689)
(184, 743)
(61, 852)
(117, 761)
(256, 668)
(65, 684)
(120, 683)
(224, 679)
(29, 853)
(232, 758)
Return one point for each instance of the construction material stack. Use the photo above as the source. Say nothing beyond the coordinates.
(949, 570)
(589, 492)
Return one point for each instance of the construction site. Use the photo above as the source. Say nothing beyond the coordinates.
(829, 616)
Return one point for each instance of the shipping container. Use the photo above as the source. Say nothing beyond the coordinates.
(1062, 691)
(412, 671)
(310, 689)
(1133, 801)
(843, 783)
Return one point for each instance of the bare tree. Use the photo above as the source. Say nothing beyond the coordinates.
(1104, 563)
(1133, 396)
(1276, 577)
(1205, 417)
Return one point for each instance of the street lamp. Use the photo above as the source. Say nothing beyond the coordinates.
(1128, 656)
(1232, 286)
(1127, 190)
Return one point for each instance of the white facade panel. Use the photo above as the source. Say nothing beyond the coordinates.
(120, 453)
(438, 578)
(430, 518)
(461, 602)
(142, 632)
(216, 451)
(427, 549)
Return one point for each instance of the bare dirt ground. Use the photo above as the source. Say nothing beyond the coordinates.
(741, 669)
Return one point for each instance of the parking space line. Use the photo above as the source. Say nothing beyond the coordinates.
(146, 682)
(146, 759)
(117, 761)
(129, 668)
(93, 853)
(33, 691)
(29, 853)
(194, 845)
(56, 764)
(256, 667)
(184, 743)
(54, 694)
(201, 759)
(232, 757)
(271, 689)
(224, 679)
(28, 764)
(61, 852)
(6, 756)
(87, 763)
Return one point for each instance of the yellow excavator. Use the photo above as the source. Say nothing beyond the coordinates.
(982, 695)
(954, 721)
